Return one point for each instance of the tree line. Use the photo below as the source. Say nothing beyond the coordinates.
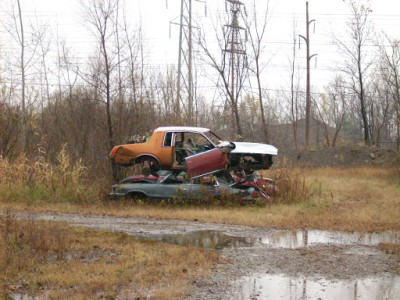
(49, 101)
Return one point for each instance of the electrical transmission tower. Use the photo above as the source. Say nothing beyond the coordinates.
(236, 58)
(185, 60)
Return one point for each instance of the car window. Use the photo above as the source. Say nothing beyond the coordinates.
(197, 143)
(168, 139)
(213, 137)
(173, 179)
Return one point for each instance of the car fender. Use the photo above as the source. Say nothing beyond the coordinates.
(147, 155)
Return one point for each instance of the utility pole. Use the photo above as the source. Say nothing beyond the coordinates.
(185, 60)
(22, 65)
(308, 89)
(236, 54)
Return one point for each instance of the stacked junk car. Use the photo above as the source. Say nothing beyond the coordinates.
(193, 162)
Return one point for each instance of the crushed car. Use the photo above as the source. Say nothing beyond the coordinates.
(169, 185)
(196, 150)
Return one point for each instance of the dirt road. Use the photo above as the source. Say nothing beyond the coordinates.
(305, 264)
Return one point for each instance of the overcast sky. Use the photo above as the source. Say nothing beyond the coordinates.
(64, 18)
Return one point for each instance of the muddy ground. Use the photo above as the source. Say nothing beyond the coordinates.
(304, 264)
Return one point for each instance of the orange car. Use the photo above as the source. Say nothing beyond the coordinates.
(195, 149)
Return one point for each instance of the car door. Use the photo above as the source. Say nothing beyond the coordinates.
(203, 187)
(171, 186)
(206, 163)
(166, 191)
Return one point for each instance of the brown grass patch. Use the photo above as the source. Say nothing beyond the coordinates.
(35, 180)
(292, 186)
(88, 264)
(391, 248)
(364, 198)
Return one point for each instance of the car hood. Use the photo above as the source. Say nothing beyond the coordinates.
(254, 148)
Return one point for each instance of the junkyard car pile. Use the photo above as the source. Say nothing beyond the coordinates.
(191, 162)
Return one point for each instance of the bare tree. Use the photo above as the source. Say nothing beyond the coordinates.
(390, 73)
(357, 59)
(100, 16)
(231, 73)
(43, 37)
(294, 87)
(256, 30)
(380, 110)
(14, 25)
(21, 38)
(9, 121)
(331, 109)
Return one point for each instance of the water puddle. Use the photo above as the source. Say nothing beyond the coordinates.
(209, 239)
(284, 287)
(215, 236)
(292, 239)
(213, 239)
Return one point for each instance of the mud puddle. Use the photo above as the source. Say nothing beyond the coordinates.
(302, 238)
(218, 236)
(285, 287)
(205, 239)
(278, 239)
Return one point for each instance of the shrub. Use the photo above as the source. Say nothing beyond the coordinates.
(291, 186)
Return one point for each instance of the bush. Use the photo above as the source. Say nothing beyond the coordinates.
(291, 186)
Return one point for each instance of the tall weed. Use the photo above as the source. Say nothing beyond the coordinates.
(38, 179)
(292, 186)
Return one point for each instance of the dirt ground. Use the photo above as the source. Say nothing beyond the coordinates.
(248, 251)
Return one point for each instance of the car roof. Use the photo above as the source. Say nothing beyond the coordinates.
(182, 129)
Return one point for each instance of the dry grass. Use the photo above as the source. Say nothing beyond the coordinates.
(365, 198)
(292, 185)
(391, 248)
(40, 180)
(86, 264)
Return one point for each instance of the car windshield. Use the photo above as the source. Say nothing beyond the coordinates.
(215, 139)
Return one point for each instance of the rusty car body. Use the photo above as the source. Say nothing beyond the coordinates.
(167, 185)
(195, 149)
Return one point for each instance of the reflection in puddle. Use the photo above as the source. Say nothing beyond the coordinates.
(288, 239)
(283, 287)
(301, 238)
(205, 239)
